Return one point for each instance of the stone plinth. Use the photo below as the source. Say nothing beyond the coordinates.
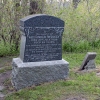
(35, 73)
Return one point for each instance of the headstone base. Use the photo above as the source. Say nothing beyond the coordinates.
(35, 73)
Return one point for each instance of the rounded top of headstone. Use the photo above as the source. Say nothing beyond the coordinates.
(41, 20)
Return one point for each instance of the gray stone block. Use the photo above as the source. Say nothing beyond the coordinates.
(90, 65)
(35, 73)
(88, 62)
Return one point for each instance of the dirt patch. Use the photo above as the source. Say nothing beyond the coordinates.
(5, 61)
(4, 76)
(5, 80)
(5, 83)
(76, 98)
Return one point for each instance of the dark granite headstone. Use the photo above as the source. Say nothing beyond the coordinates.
(41, 38)
(88, 62)
(40, 58)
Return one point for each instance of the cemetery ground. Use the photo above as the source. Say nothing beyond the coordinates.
(79, 86)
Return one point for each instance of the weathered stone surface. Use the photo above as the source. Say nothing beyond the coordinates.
(35, 73)
(90, 65)
(88, 62)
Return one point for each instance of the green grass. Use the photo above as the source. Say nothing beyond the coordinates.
(7, 49)
(75, 59)
(85, 84)
(79, 84)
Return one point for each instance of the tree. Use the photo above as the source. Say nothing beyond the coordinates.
(36, 6)
(75, 3)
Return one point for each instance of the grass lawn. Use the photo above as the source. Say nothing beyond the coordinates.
(82, 84)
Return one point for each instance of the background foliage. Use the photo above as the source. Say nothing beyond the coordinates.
(82, 23)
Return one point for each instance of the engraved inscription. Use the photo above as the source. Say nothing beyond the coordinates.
(43, 44)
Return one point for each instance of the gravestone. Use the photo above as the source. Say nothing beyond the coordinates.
(88, 62)
(42, 37)
(40, 57)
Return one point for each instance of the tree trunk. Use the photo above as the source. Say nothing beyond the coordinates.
(36, 6)
(75, 3)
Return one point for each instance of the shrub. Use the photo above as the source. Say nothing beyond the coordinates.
(82, 25)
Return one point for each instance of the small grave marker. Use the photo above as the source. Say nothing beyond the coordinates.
(88, 62)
